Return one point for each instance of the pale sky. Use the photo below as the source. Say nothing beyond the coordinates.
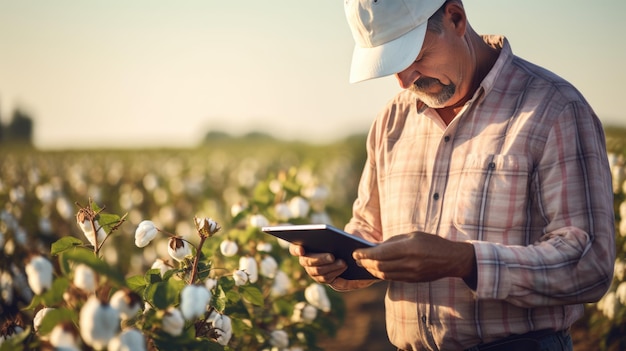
(156, 73)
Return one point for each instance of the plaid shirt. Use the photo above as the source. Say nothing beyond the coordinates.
(522, 174)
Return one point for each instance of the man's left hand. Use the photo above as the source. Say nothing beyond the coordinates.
(419, 257)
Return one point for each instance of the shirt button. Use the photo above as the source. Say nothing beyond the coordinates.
(492, 165)
(436, 196)
(446, 138)
(424, 319)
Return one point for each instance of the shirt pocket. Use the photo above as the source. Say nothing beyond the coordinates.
(493, 193)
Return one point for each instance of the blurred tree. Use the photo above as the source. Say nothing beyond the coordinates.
(20, 129)
(216, 135)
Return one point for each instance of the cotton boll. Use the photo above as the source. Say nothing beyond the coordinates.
(39, 317)
(269, 266)
(178, 249)
(85, 278)
(90, 229)
(282, 284)
(210, 284)
(263, 247)
(279, 339)
(63, 337)
(194, 300)
(222, 326)
(161, 266)
(228, 248)
(282, 211)
(126, 302)
(303, 312)
(240, 277)
(146, 231)
(316, 295)
(98, 323)
(173, 322)
(39, 272)
(248, 264)
(259, 221)
(299, 207)
(128, 340)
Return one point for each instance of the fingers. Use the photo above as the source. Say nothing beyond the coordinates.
(326, 274)
(296, 250)
(322, 267)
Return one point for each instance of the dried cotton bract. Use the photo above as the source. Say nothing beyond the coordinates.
(207, 227)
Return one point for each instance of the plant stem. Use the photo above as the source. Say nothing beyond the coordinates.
(194, 270)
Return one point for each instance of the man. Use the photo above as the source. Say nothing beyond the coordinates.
(487, 186)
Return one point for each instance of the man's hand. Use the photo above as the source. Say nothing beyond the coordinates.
(324, 269)
(419, 257)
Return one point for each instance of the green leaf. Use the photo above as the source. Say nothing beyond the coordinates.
(240, 216)
(262, 194)
(232, 296)
(107, 221)
(54, 296)
(252, 294)
(164, 294)
(51, 297)
(64, 244)
(153, 276)
(95, 207)
(240, 327)
(36, 301)
(136, 283)
(57, 316)
(87, 257)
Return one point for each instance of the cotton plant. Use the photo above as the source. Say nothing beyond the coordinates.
(607, 317)
(233, 288)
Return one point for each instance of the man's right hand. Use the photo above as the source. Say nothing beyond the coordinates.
(325, 269)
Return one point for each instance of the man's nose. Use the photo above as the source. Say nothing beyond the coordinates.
(407, 77)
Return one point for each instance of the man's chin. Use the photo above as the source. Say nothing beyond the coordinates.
(429, 101)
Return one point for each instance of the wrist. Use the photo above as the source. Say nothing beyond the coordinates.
(469, 267)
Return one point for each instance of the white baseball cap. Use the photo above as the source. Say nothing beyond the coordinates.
(388, 33)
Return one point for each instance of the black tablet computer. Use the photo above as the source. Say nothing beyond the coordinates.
(319, 238)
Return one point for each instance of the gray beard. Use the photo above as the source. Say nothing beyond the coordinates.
(422, 86)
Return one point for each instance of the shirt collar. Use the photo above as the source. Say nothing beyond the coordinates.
(500, 43)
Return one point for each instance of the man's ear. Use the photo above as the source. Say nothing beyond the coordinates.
(454, 14)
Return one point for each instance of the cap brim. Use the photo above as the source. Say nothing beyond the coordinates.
(387, 59)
